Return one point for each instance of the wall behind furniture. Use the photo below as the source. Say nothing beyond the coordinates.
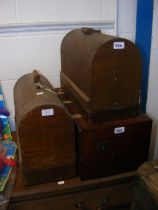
(31, 33)
(152, 100)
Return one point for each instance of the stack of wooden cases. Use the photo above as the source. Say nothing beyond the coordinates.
(100, 86)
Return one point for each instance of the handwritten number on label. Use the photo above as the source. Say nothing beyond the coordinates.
(118, 45)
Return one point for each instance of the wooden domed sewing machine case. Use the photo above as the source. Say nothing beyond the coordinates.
(45, 131)
(102, 72)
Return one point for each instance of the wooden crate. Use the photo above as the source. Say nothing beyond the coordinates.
(111, 147)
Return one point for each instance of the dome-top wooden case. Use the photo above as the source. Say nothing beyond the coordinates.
(102, 72)
(45, 131)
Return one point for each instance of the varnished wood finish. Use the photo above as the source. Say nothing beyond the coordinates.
(116, 189)
(105, 81)
(46, 143)
(102, 152)
(145, 196)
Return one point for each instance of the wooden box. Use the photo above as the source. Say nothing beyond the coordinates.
(102, 72)
(113, 193)
(111, 147)
(45, 131)
(145, 196)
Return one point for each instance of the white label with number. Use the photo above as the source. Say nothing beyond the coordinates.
(47, 112)
(61, 182)
(39, 93)
(119, 130)
(118, 45)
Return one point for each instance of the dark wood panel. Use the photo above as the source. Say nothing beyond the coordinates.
(101, 150)
(116, 189)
